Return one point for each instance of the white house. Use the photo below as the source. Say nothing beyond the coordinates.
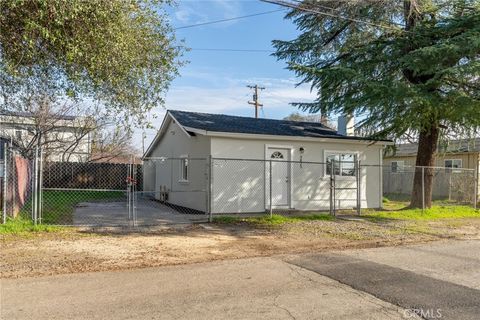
(239, 151)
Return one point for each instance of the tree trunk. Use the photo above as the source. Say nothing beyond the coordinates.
(427, 148)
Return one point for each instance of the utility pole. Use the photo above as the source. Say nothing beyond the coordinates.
(255, 98)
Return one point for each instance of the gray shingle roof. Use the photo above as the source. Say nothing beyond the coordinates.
(454, 146)
(236, 124)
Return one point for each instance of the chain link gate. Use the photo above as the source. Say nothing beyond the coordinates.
(84, 193)
(356, 186)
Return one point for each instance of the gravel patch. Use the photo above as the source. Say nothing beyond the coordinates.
(109, 249)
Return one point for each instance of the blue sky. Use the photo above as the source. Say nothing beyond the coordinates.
(216, 81)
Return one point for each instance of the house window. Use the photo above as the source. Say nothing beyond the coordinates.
(397, 166)
(342, 164)
(277, 155)
(18, 134)
(452, 164)
(184, 169)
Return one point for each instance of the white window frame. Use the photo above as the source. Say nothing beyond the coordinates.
(453, 169)
(327, 153)
(400, 168)
(184, 163)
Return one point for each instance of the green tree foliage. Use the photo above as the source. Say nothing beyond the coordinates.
(117, 53)
(411, 66)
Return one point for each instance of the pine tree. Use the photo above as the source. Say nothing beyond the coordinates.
(411, 66)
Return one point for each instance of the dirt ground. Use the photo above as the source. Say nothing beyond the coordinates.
(77, 250)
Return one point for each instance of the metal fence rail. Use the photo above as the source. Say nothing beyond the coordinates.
(450, 186)
(172, 186)
(87, 194)
(279, 186)
(132, 194)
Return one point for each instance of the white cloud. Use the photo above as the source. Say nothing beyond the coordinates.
(231, 98)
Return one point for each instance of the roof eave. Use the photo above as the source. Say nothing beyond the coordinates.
(283, 137)
(162, 130)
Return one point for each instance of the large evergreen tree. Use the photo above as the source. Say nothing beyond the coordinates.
(411, 66)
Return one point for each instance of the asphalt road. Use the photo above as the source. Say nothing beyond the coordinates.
(386, 283)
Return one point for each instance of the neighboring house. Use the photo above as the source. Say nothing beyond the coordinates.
(456, 162)
(66, 138)
(242, 186)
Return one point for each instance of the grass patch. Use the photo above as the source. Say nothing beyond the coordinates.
(434, 213)
(58, 206)
(274, 220)
(394, 202)
(22, 226)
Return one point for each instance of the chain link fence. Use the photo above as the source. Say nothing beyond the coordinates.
(449, 186)
(83, 193)
(173, 186)
(17, 184)
(183, 189)
(284, 187)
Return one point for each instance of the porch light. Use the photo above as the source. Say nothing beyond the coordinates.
(302, 150)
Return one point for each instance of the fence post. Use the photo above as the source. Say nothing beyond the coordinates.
(359, 190)
(270, 191)
(333, 183)
(475, 188)
(331, 188)
(40, 187)
(423, 189)
(128, 191)
(5, 177)
(134, 193)
(209, 190)
(450, 186)
(35, 188)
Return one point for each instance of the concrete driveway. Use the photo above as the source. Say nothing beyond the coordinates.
(115, 213)
(437, 280)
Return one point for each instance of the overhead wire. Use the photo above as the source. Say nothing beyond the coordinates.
(228, 19)
(232, 50)
(338, 10)
(299, 6)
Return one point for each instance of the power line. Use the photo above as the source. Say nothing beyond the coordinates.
(302, 8)
(229, 19)
(338, 10)
(232, 50)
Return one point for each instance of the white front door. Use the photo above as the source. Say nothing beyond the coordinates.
(280, 176)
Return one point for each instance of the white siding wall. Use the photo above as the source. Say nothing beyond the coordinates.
(174, 144)
(67, 142)
(239, 186)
